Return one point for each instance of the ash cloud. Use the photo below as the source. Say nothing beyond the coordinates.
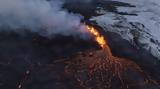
(44, 17)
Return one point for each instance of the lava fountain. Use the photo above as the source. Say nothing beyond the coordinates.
(100, 40)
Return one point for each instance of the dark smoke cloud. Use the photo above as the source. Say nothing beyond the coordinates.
(44, 17)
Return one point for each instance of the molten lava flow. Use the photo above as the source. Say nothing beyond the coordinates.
(99, 38)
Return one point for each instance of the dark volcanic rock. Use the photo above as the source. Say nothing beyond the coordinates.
(34, 63)
(88, 9)
(20, 54)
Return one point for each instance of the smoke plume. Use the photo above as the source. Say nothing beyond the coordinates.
(45, 17)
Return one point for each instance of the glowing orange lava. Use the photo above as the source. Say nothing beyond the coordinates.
(98, 37)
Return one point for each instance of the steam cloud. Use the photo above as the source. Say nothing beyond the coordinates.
(44, 17)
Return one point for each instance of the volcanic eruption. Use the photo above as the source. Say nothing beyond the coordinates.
(103, 70)
(44, 46)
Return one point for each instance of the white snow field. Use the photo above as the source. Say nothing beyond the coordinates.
(141, 30)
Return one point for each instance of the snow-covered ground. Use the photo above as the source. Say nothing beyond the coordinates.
(142, 30)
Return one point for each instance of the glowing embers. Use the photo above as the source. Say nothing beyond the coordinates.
(99, 38)
(92, 70)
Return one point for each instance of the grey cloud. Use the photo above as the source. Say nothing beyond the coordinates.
(44, 17)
